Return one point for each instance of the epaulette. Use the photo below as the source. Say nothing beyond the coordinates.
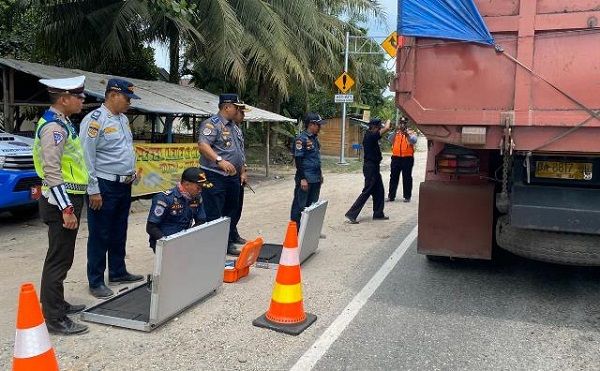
(96, 114)
(215, 119)
(168, 192)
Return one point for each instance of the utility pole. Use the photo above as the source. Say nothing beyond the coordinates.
(343, 147)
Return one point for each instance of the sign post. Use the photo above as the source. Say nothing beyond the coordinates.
(346, 83)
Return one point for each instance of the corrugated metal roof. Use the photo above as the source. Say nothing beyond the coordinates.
(157, 96)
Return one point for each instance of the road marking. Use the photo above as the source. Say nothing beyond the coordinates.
(324, 342)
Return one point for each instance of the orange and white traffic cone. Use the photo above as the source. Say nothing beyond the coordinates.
(286, 313)
(33, 350)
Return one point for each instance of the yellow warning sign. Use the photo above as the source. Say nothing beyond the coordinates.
(391, 44)
(344, 82)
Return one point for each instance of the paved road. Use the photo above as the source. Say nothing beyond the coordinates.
(510, 314)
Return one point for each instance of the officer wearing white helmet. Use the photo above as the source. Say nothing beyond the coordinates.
(58, 160)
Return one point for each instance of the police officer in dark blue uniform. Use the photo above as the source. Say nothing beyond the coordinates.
(307, 156)
(221, 145)
(175, 210)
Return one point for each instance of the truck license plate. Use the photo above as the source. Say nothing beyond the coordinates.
(563, 170)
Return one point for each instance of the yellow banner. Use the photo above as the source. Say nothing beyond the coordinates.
(159, 166)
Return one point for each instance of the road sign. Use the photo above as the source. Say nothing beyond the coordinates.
(344, 82)
(344, 98)
(392, 43)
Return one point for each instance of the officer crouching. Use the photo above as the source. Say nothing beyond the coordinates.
(178, 208)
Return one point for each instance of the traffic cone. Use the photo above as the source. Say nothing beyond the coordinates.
(33, 350)
(286, 313)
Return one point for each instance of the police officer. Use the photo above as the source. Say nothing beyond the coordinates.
(372, 173)
(239, 119)
(177, 209)
(221, 146)
(110, 159)
(58, 160)
(403, 149)
(307, 157)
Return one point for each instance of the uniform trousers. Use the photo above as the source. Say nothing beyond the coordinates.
(303, 199)
(222, 199)
(373, 188)
(404, 166)
(108, 232)
(59, 258)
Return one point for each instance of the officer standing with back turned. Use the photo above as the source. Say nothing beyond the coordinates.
(58, 160)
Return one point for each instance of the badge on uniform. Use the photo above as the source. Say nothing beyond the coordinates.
(93, 129)
(96, 114)
(110, 130)
(58, 137)
(309, 144)
(298, 144)
(159, 210)
(207, 131)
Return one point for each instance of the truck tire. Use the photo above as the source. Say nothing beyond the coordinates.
(551, 247)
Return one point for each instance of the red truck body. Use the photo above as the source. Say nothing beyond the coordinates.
(525, 112)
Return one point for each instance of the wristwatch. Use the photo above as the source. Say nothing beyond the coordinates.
(218, 159)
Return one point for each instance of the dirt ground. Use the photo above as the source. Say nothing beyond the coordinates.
(217, 333)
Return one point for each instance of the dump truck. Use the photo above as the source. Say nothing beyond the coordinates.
(508, 99)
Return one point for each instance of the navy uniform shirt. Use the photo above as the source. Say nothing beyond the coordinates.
(226, 139)
(372, 151)
(173, 212)
(308, 150)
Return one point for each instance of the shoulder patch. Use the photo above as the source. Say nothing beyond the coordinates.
(215, 119)
(159, 210)
(168, 192)
(207, 131)
(58, 137)
(209, 125)
(299, 144)
(96, 114)
(93, 129)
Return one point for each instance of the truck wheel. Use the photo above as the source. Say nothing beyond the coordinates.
(551, 247)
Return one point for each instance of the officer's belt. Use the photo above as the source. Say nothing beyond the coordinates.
(70, 186)
(116, 178)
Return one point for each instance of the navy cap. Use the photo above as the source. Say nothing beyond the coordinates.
(313, 117)
(375, 122)
(196, 175)
(121, 86)
(230, 98)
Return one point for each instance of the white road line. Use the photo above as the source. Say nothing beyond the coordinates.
(324, 342)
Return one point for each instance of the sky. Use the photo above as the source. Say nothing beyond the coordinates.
(376, 28)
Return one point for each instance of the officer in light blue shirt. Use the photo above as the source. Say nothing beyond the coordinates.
(110, 158)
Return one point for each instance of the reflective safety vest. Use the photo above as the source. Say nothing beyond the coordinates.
(72, 163)
(402, 147)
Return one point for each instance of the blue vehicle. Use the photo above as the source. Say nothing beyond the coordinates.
(18, 180)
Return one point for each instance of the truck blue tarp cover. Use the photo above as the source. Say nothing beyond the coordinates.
(443, 19)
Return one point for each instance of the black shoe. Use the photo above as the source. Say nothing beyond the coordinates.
(239, 240)
(65, 326)
(101, 292)
(383, 217)
(390, 199)
(406, 200)
(232, 250)
(350, 220)
(74, 309)
(126, 278)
